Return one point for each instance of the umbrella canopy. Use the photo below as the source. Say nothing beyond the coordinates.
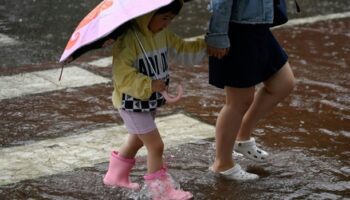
(102, 23)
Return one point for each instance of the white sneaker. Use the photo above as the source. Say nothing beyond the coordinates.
(249, 149)
(237, 173)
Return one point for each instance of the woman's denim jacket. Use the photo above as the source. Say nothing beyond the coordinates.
(240, 11)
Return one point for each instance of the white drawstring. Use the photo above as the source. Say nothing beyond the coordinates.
(144, 54)
(167, 97)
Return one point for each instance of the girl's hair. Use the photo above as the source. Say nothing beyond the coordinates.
(174, 7)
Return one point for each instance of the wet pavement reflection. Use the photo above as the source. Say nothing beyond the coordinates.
(308, 134)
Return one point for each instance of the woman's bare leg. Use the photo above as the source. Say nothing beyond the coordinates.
(274, 90)
(238, 100)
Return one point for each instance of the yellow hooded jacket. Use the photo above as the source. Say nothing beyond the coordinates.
(132, 75)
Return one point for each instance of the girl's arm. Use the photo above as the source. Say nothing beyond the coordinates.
(126, 78)
(184, 52)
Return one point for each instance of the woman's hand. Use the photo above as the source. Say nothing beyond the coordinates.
(217, 52)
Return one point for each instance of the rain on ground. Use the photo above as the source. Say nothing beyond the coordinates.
(55, 137)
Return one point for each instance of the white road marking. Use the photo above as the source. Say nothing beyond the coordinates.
(315, 19)
(103, 62)
(7, 41)
(46, 81)
(332, 86)
(59, 155)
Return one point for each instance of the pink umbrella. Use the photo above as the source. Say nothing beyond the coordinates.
(104, 19)
(102, 23)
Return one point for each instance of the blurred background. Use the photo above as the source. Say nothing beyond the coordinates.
(42, 27)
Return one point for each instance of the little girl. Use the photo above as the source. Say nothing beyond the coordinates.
(140, 73)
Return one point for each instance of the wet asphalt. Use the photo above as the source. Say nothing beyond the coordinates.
(308, 134)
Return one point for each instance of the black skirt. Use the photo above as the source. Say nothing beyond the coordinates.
(254, 56)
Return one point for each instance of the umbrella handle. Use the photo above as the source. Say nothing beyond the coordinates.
(172, 99)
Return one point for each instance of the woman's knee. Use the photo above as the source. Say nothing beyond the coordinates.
(290, 79)
(282, 83)
(290, 84)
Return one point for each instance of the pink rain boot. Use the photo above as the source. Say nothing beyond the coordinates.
(161, 186)
(118, 172)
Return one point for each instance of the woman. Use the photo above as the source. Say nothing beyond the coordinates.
(244, 53)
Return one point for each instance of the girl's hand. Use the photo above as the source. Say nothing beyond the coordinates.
(217, 52)
(158, 85)
(68, 60)
(107, 43)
